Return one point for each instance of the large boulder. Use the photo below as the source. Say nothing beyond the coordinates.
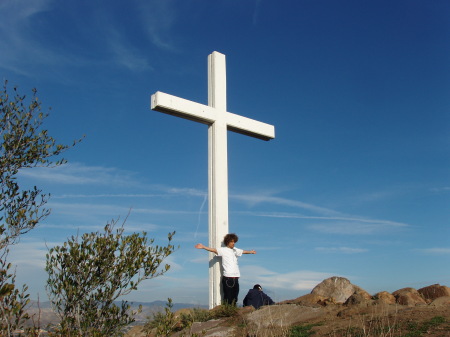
(360, 296)
(280, 316)
(384, 297)
(309, 300)
(443, 301)
(408, 296)
(337, 288)
(434, 291)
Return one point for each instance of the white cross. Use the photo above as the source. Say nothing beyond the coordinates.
(217, 118)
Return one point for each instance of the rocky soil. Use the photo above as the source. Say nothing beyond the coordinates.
(335, 308)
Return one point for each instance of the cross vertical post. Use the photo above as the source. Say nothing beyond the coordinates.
(219, 121)
(217, 171)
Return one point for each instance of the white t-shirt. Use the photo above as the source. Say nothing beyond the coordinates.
(230, 261)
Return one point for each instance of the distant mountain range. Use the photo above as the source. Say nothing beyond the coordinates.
(45, 316)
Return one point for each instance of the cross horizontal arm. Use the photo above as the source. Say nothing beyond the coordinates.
(205, 114)
(250, 127)
(183, 108)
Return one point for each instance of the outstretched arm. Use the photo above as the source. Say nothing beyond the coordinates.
(200, 246)
(249, 252)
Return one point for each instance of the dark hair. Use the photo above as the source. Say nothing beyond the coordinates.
(257, 286)
(230, 237)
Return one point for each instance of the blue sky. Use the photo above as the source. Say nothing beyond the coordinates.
(355, 184)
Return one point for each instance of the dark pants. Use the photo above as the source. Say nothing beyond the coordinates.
(230, 286)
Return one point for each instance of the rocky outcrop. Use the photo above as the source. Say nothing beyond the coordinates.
(434, 291)
(335, 297)
(309, 300)
(441, 302)
(338, 288)
(384, 297)
(360, 296)
(408, 296)
(282, 315)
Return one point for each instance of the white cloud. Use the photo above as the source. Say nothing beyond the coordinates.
(22, 9)
(16, 16)
(440, 189)
(74, 228)
(280, 286)
(137, 228)
(79, 174)
(340, 218)
(185, 191)
(344, 224)
(295, 280)
(256, 12)
(20, 32)
(254, 199)
(436, 251)
(322, 219)
(23, 32)
(355, 226)
(157, 19)
(87, 209)
(201, 260)
(190, 236)
(108, 195)
(28, 254)
(345, 250)
(181, 290)
(123, 52)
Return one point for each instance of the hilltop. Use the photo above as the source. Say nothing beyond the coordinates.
(335, 307)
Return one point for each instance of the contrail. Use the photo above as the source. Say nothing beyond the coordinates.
(200, 213)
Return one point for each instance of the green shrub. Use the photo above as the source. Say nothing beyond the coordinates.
(87, 275)
(194, 315)
(301, 330)
(164, 323)
(224, 310)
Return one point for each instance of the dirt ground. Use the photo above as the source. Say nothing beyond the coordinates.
(388, 320)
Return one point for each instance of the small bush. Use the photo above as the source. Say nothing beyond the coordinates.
(301, 330)
(194, 315)
(224, 310)
(164, 323)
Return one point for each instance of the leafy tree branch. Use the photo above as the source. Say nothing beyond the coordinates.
(23, 144)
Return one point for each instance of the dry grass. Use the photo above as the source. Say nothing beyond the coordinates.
(390, 321)
(332, 321)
